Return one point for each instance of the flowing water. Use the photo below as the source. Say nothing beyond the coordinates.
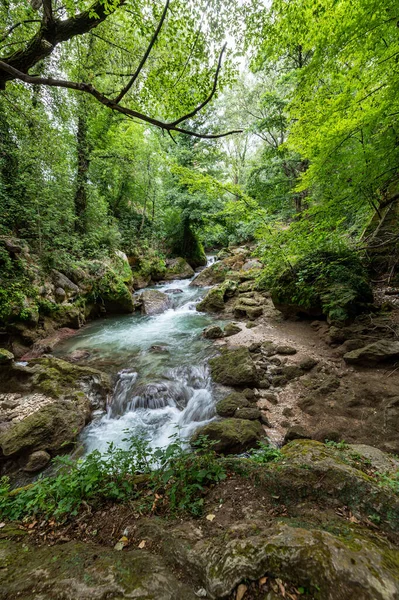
(162, 381)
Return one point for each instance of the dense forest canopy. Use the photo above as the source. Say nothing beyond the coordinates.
(132, 125)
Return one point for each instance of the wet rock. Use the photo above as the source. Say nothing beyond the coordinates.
(232, 436)
(6, 357)
(157, 349)
(231, 329)
(174, 291)
(213, 332)
(211, 275)
(178, 268)
(229, 405)
(377, 352)
(213, 301)
(154, 302)
(78, 355)
(234, 367)
(141, 281)
(37, 461)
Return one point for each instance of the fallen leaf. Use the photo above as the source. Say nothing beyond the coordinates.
(120, 544)
(142, 544)
(241, 591)
(210, 517)
(262, 581)
(2, 525)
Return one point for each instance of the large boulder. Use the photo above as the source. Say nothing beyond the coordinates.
(232, 436)
(333, 284)
(234, 367)
(377, 352)
(87, 572)
(45, 405)
(154, 302)
(211, 275)
(228, 406)
(216, 297)
(178, 268)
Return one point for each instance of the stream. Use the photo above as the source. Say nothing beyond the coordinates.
(162, 383)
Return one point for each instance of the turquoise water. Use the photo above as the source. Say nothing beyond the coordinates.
(162, 382)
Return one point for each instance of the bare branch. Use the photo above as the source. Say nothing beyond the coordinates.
(127, 87)
(89, 89)
(209, 98)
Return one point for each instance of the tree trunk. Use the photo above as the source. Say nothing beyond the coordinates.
(83, 156)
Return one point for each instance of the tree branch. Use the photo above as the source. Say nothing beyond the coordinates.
(209, 98)
(52, 33)
(127, 87)
(89, 89)
(11, 29)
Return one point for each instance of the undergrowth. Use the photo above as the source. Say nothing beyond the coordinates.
(163, 480)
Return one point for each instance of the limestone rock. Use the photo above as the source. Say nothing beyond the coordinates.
(154, 302)
(6, 357)
(37, 461)
(377, 352)
(228, 406)
(62, 281)
(178, 268)
(252, 264)
(233, 436)
(231, 329)
(234, 367)
(86, 571)
(213, 332)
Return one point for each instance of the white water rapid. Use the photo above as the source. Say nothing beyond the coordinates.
(162, 383)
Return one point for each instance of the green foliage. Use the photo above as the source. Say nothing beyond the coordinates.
(265, 454)
(335, 282)
(176, 477)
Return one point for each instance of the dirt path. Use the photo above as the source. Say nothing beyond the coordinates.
(333, 401)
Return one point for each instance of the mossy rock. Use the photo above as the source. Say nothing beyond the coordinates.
(211, 275)
(228, 406)
(6, 357)
(213, 301)
(85, 571)
(232, 436)
(234, 367)
(231, 329)
(333, 284)
(49, 428)
(178, 268)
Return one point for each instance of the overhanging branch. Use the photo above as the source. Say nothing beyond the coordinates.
(127, 87)
(89, 89)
